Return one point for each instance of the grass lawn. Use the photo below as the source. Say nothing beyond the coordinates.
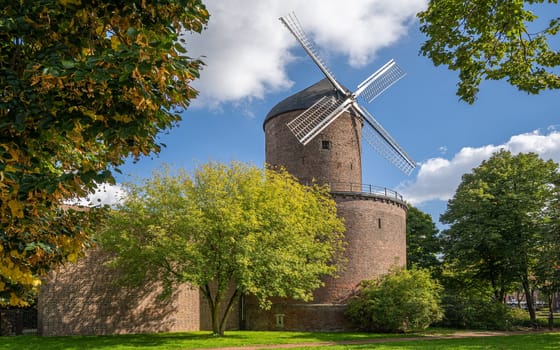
(546, 341)
(165, 341)
(198, 340)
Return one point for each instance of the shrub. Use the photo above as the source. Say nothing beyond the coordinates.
(400, 301)
(474, 310)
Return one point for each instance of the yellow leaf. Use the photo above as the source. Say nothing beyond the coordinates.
(142, 40)
(115, 42)
(125, 118)
(70, 2)
(72, 257)
(100, 29)
(16, 207)
(86, 51)
(17, 301)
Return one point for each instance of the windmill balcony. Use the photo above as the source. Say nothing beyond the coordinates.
(366, 190)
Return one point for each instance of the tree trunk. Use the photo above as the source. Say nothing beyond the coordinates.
(518, 298)
(529, 299)
(227, 311)
(214, 305)
(550, 311)
(216, 329)
(219, 317)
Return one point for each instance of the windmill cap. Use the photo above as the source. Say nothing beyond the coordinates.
(304, 99)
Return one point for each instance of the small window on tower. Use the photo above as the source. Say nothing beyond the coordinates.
(326, 145)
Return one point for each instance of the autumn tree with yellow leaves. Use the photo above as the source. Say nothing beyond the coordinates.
(84, 84)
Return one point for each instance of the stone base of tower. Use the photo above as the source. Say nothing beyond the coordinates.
(375, 235)
(376, 242)
(297, 316)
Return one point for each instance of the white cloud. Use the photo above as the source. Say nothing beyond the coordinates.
(246, 48)
(438, 178)
(105, 194)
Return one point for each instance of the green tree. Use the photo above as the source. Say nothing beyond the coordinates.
(468, 303)
(422, 242)
(400, 301)
(494, 40)
(229, 230)
(547, 272)
(83, 85)
(496, 218)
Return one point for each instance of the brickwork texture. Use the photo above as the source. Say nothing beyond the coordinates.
(340, 163)
(82, 299)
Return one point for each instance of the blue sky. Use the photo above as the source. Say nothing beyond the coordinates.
(253, 63)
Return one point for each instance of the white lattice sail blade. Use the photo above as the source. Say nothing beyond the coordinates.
(317, 117)
(293, 25)
(380, 81)
(378, 143)
(377, 137)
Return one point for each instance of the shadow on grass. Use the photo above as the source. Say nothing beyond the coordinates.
(125, 341)
(200, 340)
(164, 341)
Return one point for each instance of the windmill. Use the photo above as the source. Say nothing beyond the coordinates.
(322, 113)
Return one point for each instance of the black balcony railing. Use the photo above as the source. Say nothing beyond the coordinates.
(366, 189)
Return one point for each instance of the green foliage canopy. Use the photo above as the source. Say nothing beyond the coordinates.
(260, 231)
(496, 217)
(422, 242)
(83, 85)
(488, 39)
(471, 306)
(547, 271)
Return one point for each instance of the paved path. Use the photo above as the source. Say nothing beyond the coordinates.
(457, 335)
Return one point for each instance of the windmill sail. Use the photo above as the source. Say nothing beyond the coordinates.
(322, 113)
(378, 138)
(293, 25)
(317, 117)
(380, 81)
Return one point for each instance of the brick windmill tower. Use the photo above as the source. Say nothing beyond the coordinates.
(317, 134)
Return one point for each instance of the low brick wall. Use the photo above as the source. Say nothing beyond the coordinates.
(297, 316)
(81, 299)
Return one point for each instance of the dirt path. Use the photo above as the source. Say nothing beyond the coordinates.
(457, 335)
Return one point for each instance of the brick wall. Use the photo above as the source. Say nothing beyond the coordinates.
(340, 163)
(376, 241)
(290, 315)
(81, 299)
